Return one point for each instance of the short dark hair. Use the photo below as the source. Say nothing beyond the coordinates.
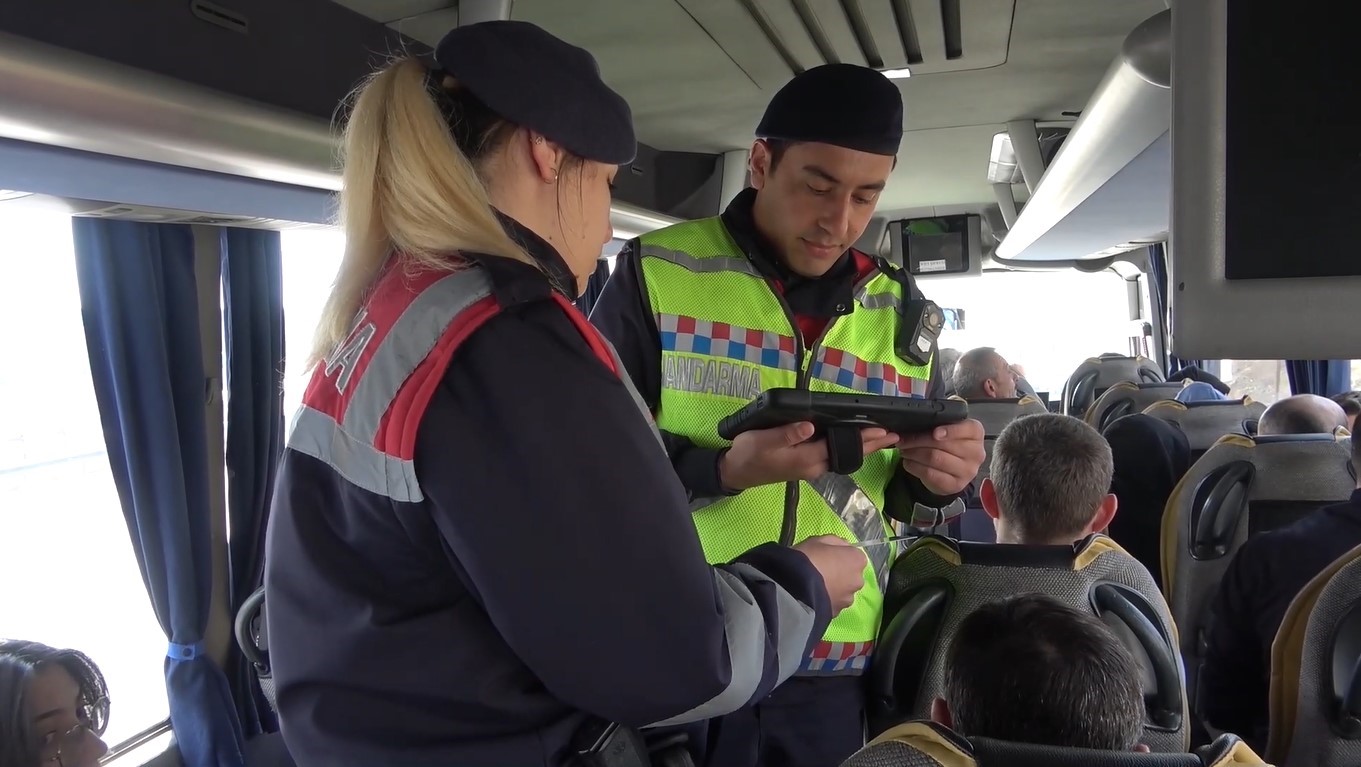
(19, 662)
(1030, 669)
(1051, 473)
(1350, 402)
(778, 146)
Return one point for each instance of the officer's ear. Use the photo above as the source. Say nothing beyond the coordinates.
(761, 163)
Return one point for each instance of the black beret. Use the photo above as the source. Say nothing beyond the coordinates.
(841, 104)
(537, 81)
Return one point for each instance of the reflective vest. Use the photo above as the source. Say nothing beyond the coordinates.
(726, 336)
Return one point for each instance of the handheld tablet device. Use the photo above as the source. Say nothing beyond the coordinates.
(900, 415)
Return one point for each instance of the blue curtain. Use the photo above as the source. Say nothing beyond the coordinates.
(594, 287)
(140, 305)
(1322, 377)
(1159, 270)
(253, 325)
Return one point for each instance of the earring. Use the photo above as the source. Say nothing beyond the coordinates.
(554, 180)
(538, 140)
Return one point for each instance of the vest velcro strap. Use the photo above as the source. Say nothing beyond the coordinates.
(845, 450)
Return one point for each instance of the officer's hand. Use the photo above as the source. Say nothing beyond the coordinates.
(842, 567)
(784, 454)
(947, 458)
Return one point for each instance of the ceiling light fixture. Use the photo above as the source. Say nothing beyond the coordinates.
(896, 74)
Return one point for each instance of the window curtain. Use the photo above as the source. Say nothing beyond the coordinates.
(1159, 271)
(139, 301)
(1322, 377)
(253, 329)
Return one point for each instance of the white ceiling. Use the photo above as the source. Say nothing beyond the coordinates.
(698, 73)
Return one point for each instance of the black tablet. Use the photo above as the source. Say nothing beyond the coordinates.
(900, 415)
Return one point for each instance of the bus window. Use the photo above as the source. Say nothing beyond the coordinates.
(66, 561)
(1266, 380)
(1047, 322)
(310, 260)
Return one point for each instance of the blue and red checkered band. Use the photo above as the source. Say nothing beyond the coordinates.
(847, 370)
(719, 339)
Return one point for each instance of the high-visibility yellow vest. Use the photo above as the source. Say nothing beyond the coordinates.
(726, 336)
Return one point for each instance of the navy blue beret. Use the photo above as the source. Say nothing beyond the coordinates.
(841, 104)
(537, 81)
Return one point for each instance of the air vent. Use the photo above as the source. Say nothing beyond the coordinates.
(221, 17)
(772, 39)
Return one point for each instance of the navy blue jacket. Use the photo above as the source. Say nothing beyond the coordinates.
(1265, 576)
(469, 580)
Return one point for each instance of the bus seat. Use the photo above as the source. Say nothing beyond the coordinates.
(1206, 421)
(994, 414)
(936, 582)
(1316, 672)
(252, 635)
(1241, 486)
(1127, 398)
(1097, 374)
(927, 744)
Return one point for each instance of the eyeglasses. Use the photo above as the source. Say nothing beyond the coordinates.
(58, 747)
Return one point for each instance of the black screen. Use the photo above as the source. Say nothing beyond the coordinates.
(936, 245)
(1293, 154)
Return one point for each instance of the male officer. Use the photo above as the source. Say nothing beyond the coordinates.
(706, 314)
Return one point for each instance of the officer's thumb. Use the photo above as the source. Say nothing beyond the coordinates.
(797, 433)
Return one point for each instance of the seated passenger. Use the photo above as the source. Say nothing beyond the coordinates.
(1265, 576)
(1199, 391)
(1030, 669)
(1350, 403)
(1301, 414)
(982, 373)
(1050, 481)
(1150, 456)
(948, 358)
(54, 705)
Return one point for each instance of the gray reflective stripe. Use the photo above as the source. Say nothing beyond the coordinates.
(877, 300)
(316, 434)
(746, 630)
(633, 392)
(712, 264)
(794, 622)
(407, 344)
(860, 514)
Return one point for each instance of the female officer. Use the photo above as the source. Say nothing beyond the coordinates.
(479, 552)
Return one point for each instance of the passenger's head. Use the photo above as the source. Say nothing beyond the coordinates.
(508, 117)
(824, 152)
(1301, 414)
(946, 360)
(54, 705)
(1050, 481)
(1350, 402)
(982, 373)
(1030, 669)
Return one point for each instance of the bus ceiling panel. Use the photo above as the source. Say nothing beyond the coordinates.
(64, 98)
(1108, 189)
(61, 98)
(72, 174)
(300, 55)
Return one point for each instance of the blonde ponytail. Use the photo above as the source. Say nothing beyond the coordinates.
(409, 192)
